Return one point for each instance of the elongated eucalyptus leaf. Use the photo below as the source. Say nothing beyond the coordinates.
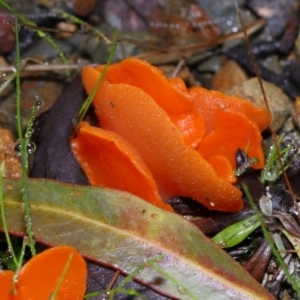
(123, 231)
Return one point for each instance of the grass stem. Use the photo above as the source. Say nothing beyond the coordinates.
(24, 154)
(3, 218)
(269, 239)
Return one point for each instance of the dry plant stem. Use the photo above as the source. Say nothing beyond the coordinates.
(274, 135)
(31, 27)
(195, 47)
(269, 239)
(7, 81)
(186, 51)
(46, 67)
(89, 100)
(113, 280)
(178, 68)
(82, 23)
(154, 47)
(40, 33)
(52, 30)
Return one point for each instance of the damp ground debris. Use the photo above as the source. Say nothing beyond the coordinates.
(201, 43)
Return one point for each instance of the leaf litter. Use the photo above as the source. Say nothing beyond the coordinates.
(278, 284)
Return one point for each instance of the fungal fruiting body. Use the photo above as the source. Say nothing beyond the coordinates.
(40, 277)
(184, 146)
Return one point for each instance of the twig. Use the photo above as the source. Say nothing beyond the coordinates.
(46, 67)
(272, 128)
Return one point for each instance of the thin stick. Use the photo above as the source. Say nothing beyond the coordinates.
(46, 67)
(178, 68)
(113, 280)
(39, 32)
(269, 239)
(90, 98)
(272, 128)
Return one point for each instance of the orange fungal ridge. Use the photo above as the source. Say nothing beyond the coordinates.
(119, 166)
(169, 140)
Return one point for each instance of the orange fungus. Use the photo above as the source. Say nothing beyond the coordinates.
(168, 95)
(176, 143)
(40, 277)
(6, 285)
(110, 161)
(233, 131)
(208, 102)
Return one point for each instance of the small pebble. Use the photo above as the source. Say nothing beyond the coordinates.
(281, 106)
(223, 82)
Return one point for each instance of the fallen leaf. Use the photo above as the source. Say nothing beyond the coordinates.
(259, 261)
(120, 230)
(288, 222)
(295, 241)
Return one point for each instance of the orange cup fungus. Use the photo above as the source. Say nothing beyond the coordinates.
(40, 277)
(159, 139)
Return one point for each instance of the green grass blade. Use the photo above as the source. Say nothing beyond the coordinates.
(3, 219)
(271, 242)
(24, 153)
(40, 33)
(78, 21)
(62, 277)
(91, 96)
